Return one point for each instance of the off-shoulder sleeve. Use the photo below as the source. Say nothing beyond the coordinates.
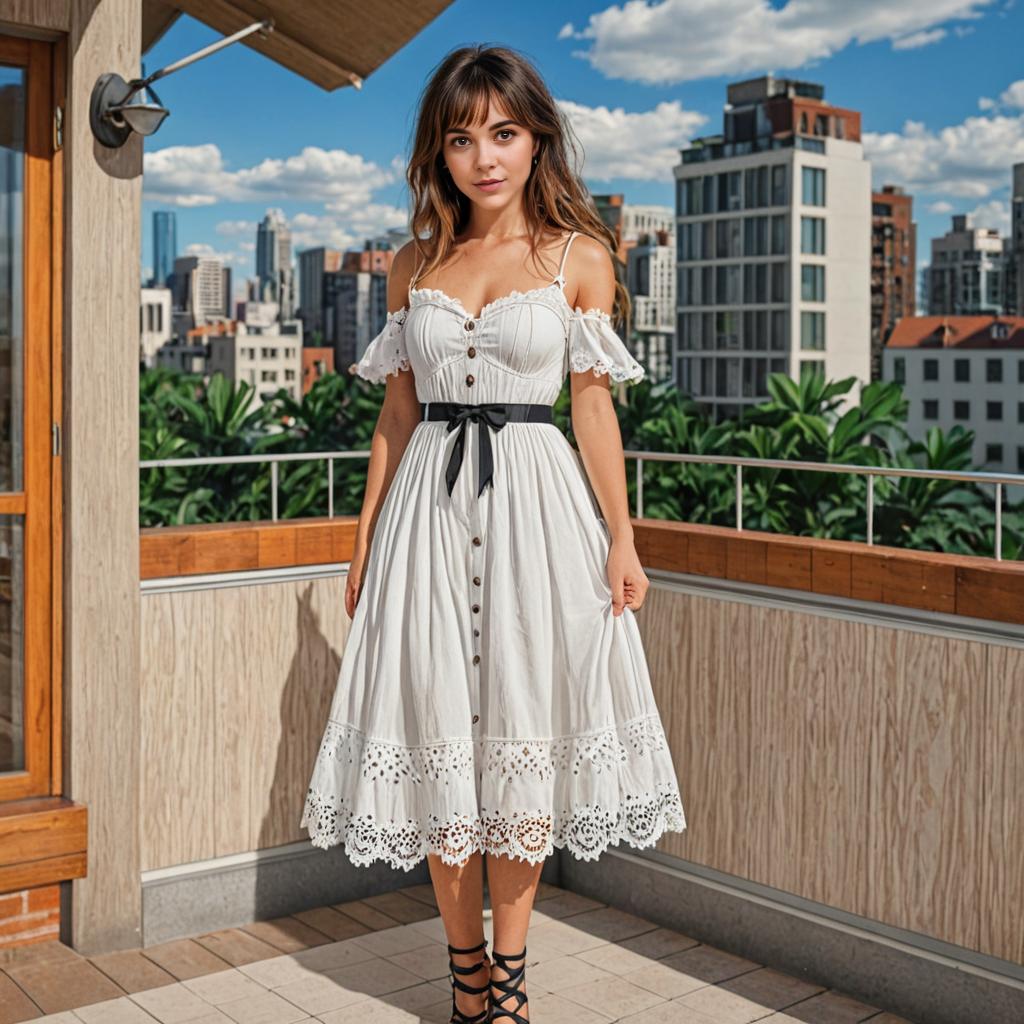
(594, 345)
(386, 353)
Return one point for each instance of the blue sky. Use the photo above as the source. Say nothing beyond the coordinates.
(939, 85)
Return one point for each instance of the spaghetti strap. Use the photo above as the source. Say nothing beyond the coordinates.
(415, 277)
(560, 278)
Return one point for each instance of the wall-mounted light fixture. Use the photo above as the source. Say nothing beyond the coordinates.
(118, 108)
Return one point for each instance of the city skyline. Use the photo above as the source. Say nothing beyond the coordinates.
(631, 106)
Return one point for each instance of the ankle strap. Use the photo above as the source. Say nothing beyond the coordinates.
(468, 949)
(500, 957)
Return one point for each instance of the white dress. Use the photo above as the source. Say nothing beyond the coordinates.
(488, 699)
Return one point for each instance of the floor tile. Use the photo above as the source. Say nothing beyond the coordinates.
(610, 923)
(709, 964)
(132, 970)
(563, 937)
(724, 1006)
(15, 1006)
(319, 995)
(172, 1004)
(371, 1012)
(390, 941)
(114, 1011)
(184, 959)
(56, 985)
(236, 946)
(423, 892)
(659, 943)
(286, 934)
(401, 907)
(37, 952)
(335, 954)
(566, 903)
(366, 915)
(772, 988)
(374, 977)
(265, 1008)
(614, 959)
(831, 1007)
(612, 996)
(550, 1008)
(224, 986)
(663, 980)
(278, 971)
(562, 973)
(426, 962)
(668, 1013)
(331, 923)
(66, 1017)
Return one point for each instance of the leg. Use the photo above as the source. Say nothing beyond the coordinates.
(513, 887)
(460, 899)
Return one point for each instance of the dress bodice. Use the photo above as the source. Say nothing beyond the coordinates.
(517, 349)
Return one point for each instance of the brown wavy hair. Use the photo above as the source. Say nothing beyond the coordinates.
(458, 92)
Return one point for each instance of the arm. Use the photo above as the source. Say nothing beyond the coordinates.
(596, 428)
(399, 414)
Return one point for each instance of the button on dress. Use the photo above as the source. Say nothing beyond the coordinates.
(487, 698)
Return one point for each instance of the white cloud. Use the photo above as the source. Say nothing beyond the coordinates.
(203, 249)
(683, 40)
(940, 206)
(197, 175)
(967, 160)
(993, 214)
(643, 146)
(918, 39)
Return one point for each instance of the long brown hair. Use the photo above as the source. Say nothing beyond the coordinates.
(555, 198)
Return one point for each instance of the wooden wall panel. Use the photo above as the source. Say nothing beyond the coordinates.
(1001, 896)
(236, 687)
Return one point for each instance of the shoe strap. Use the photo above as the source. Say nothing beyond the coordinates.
(510, 986)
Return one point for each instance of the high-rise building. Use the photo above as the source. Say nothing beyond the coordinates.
(154, 324)
(199, 289)
(1015, 287)
(967, 276)
(313, 264)
(893, 260)
(165, 247)
(774, 247)
(651, 280)
(274, 263)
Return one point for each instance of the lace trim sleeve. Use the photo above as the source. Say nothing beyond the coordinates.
(386, 353)
(594, 345)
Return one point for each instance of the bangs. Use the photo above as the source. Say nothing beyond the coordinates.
(468, 103)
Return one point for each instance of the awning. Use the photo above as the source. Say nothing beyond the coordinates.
(329, 42)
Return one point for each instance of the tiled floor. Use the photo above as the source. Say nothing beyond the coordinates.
(383, 961)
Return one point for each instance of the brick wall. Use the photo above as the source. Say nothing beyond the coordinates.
(32, 915)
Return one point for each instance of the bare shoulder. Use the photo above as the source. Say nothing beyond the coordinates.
(590, 274)
(400, 275)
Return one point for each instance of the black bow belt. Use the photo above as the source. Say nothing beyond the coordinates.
(493, 415)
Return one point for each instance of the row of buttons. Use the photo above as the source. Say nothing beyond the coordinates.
(469, 325)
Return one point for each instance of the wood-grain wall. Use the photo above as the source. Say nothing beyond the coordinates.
(874, 769)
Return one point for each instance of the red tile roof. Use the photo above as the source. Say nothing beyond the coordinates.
(956, 332)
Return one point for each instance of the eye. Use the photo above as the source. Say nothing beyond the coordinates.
(509, 130)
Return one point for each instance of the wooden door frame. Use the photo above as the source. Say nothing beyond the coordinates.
(39, 498)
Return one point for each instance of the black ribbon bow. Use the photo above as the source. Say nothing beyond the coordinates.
(492, 415)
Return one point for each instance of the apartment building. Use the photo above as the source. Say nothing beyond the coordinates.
(773, 247)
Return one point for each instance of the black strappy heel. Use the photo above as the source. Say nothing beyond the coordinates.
(509, 986)
(458, 1017)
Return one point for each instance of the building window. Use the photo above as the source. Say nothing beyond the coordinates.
(931, 369)
(962, 371)
(994, 371)
(812, 235)
(812, 330)
(813, 186)
(1020, 459)
(961, 410)
(780, 331)
(994, 453)
(812, 366)
(1020, 371)
(803, 121)
(755, 185)
(779, 197)
(993, 410)
(1020, 412)
(820, 124)
(899, 370)
(812, 282)
(779, 247)
(931, 409)
(780, 292)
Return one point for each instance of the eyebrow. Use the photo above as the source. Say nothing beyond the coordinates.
(494, 127)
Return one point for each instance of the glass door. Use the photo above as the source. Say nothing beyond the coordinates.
(26, 421)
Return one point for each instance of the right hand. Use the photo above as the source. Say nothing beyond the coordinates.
(354, 583)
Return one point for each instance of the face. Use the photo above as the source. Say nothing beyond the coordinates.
(490, 161)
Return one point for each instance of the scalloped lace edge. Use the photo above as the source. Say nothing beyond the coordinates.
(586, 832)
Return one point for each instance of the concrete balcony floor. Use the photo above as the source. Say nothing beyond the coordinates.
(382, 960)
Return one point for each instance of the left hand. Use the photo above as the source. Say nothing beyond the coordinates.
(626, 576)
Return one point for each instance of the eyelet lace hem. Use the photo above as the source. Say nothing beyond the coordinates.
(531, 836)
(594, 345)
(582, 793)
(386, 353)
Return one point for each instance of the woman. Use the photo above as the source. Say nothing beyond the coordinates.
(494, 700)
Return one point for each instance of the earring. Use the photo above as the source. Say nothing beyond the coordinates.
(535, 161)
